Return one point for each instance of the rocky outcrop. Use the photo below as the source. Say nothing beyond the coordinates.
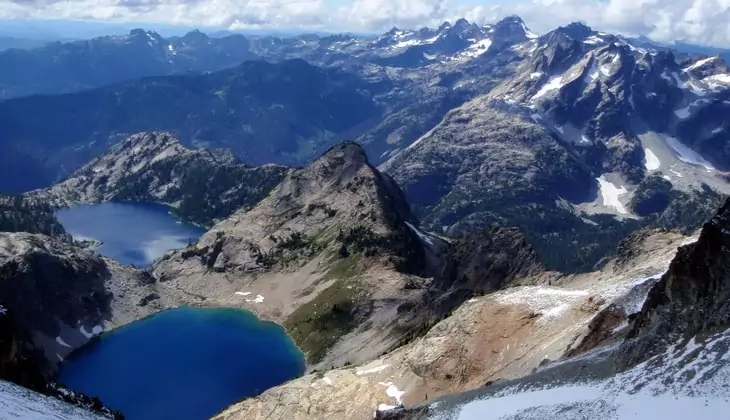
(487, 340)
(201, 185)
(691, 299)
(28, 214)
(76, 295)
(330, 254)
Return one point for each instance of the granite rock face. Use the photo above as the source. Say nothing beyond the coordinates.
(329, 254)
(76, 295)
(691, 299)
(201, 185)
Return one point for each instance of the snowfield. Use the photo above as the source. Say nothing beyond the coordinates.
(555, 82)
(688, 381)
(19, 403)
(610, 194)
(651, 161)
(685, 154)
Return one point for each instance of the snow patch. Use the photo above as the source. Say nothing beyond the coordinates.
(593, 40)
(699, 63)
(96, 330)
(536, 75)
(393, 392)
(476, 49)
(549, 301)
(3, 311)
(258, 299)
(651, 161)
(327, 380)
(683, 113)
(555, 82)
(717, 130)
(422, 236)
(371, 370)
(243, 293)
(60, 341)
(685, 154)
(610, 194)
(592, 73)
(679, 175)
(528, 33)
(721, 78)
(385, 407)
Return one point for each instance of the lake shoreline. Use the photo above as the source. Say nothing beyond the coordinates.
(192, 321)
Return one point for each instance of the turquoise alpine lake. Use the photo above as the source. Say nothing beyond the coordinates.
(131, 233)
(184, 363)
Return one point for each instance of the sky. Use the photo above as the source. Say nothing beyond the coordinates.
(704, 22)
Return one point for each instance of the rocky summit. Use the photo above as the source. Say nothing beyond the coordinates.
(333, 252)
(468, 221)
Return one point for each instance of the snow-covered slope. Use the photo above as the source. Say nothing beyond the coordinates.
(689, 381)
(20, 403)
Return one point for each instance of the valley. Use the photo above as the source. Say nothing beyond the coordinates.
(455, 222)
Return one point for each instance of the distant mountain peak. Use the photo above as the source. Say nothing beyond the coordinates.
(462, 23)
(576, 30)
(195, 35)
(511, 30)
(511, 19)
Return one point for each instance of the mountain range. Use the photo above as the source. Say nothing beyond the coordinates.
(426, 212)
(599, 134)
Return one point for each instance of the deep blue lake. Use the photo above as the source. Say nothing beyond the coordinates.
(184, 363)
(131, 233)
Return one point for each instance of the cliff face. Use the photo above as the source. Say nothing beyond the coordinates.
(75, 295)
(692, 298)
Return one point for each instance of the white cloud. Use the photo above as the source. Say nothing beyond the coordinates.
(698, 21)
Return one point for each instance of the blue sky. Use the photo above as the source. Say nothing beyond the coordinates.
(699, 21)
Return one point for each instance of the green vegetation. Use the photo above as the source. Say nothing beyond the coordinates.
(205, 190)
(400, 245)
(22, 214)
(296, 246)
(317, 325)
(344, 268)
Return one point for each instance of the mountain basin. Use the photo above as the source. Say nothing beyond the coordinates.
(184, 363)
(131, 233)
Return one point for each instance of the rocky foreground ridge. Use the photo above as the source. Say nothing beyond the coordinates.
(672, 362)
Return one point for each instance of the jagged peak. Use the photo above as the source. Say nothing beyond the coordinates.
(511, 29)
(511, 20)
(576, 30)
(445, 25)
(462, 23)
(347, 153)
(195, 35)
(141, 33)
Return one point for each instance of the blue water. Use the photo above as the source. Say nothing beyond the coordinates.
(132, 233)
(184, 364)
